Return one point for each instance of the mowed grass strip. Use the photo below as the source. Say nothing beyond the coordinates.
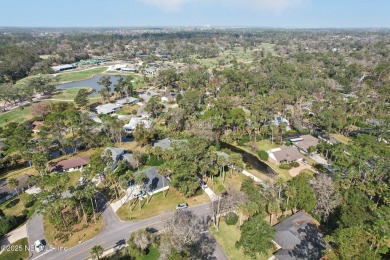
(80, 75)
(16, 250)
(158, 205)
(68, 94)
(18, 115)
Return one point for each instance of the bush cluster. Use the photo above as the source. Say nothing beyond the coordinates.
(231, 218)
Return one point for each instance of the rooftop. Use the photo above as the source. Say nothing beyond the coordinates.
(73, 162)
(165, 143)
(299, 238)
(308, 140)
(107, 108)
(154, 181)
(287, 153)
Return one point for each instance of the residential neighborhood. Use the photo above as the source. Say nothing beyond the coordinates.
(124, 138)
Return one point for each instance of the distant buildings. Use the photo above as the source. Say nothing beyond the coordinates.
(63, 67)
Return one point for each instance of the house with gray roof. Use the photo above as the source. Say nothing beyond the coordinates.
(116, 154)
(284, 154)
(166, 143)
(107, 109)
(304, 142)
(298, 237)
(154, 182)
(127, 101)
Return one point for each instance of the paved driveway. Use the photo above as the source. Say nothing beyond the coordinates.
(295, 171)
(14, 235)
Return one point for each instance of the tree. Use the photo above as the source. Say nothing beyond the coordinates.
(154, 106)
(256, 236)
(96, 252)
(352, 243)
(304, 198)
(139, 242)
(326, 195)
(41, 109)
(13, 184)
(81, 98)
(184, 231)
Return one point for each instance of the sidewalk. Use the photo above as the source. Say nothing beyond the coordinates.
(250, 175)
(14, 236)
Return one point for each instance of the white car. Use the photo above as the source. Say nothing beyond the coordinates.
(182, 206)
(39, 245)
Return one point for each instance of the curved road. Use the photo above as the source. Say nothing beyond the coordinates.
(113, 231)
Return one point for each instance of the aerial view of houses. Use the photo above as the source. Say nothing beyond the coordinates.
(195, 130)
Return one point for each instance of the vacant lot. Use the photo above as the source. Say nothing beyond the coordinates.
(226, 238)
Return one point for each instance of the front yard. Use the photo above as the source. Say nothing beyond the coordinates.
(158, 205)
(226, 238)
(16, 250)
(52, 235)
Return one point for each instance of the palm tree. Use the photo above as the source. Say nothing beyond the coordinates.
(96, 252)
(90, 194)
(272, 208)
(140, 181)
(163, 170)
(290, 192)
(137, 158)
(13, 184)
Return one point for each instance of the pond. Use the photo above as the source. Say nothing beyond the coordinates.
(90, 83)
(249, 158)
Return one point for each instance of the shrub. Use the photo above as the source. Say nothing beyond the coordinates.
(263, 155)
(231, 218)
(29, 200)
(285, 166)
(294, 164)
(288, 143)
(153, 161)
(7, 224)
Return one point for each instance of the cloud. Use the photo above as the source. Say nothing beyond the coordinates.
(267, 5)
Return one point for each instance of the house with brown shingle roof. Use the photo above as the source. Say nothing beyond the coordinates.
(71, 164)
(285, 154)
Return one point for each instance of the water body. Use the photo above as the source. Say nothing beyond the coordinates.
(90, 83)
(249, 158)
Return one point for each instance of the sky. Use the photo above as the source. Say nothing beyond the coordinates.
(251, 13)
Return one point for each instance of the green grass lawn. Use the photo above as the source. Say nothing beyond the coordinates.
(80, 75)
(19, 250)
(226, 238)
(127, 110)
(16, 115)
(153, 254)
(158, 205)
(14, 206)
(341, 138)
(68, 94)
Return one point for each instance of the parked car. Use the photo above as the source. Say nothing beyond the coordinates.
(39, 245)
(182, 206)
(203, 184)
(139, 194)
(119, 245)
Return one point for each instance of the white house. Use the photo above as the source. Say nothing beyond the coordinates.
(107, 109)
(130, 127)
(127, 101)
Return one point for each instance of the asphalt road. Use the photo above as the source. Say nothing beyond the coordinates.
(113, 231)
